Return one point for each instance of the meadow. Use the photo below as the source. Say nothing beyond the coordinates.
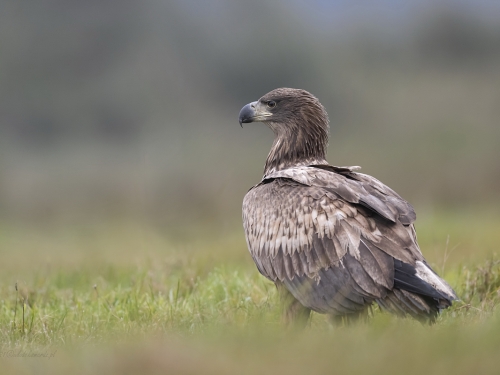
(123, 167)
(121, 297)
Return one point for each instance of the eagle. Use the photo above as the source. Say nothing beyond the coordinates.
(333, 240)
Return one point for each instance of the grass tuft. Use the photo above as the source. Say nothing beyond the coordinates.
(202, 307)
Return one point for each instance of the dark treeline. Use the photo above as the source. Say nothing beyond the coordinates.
(130, 108)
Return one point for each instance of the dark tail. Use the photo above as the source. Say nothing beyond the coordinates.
(418, 291)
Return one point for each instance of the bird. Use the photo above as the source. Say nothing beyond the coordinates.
(332, 239)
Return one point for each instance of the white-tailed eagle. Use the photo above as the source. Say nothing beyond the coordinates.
(332, 240)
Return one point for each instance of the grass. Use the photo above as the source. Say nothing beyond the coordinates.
(124, 298)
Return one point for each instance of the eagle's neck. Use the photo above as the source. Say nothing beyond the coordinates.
(296, 146)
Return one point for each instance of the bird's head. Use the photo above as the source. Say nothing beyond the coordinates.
(299, 122)
(285, 107)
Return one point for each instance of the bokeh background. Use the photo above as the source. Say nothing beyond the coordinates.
(128, 109)
(123, 168)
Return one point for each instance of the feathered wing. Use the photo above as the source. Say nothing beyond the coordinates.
(339, 240)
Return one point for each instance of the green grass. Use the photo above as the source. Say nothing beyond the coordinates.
(123, 298)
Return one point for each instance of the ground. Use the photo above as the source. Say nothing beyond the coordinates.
(121, 297)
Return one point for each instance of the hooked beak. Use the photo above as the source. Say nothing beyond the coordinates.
(247, 113)
(253, 112)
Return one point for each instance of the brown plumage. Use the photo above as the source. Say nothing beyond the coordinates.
(332, 240)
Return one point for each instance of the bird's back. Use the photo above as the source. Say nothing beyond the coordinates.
(339, 240)
(333, 240)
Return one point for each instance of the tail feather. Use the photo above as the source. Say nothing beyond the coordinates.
(418, 291)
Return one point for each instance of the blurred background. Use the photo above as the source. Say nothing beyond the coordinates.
(128, 110)
(123, 169)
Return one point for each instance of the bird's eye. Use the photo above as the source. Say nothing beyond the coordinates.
(271, 104)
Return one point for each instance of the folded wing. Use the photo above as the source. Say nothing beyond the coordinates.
(339, 240)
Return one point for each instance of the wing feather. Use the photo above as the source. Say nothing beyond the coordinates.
(332, 237)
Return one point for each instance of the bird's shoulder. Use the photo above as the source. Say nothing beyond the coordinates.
(333, 212)
(342, 183)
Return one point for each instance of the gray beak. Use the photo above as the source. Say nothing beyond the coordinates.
(247, 114)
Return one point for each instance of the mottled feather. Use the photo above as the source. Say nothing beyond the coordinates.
(336, 239)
